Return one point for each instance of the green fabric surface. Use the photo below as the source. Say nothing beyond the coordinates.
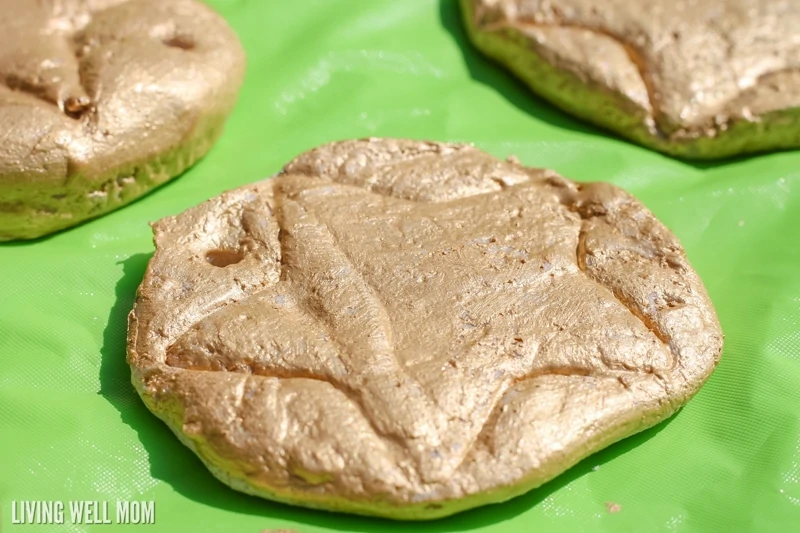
(72, 428)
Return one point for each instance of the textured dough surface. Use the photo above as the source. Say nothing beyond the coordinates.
(692, 78)
(411, 329)
(103, 100)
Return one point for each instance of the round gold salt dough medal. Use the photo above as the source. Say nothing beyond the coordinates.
(697, 79)
(410, 329)
(104, 100)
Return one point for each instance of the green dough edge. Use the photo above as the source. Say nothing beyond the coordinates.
(30, 210)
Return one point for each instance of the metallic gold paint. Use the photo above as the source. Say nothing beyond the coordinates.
(696, 79)
(410, 329)
(102, 101)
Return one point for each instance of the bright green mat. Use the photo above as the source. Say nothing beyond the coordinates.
(72, 428)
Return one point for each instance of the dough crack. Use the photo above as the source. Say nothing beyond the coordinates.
(45, 62)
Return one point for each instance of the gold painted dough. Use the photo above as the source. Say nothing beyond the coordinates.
(411, 329)
(103, 100)
(699, 79)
